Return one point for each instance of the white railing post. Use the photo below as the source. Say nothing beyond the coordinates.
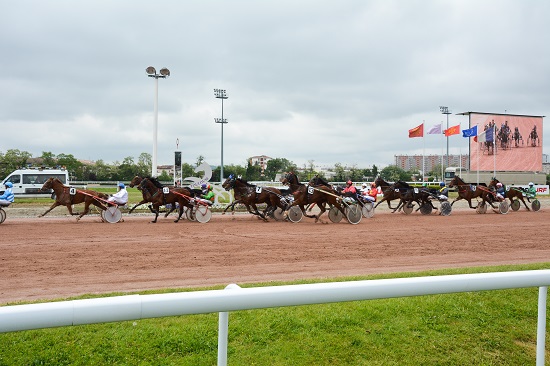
(223, 331)
(541, 327)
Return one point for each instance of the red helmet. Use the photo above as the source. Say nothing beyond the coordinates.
(373, 185)
(349, 182)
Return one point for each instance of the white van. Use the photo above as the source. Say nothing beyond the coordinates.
(28, 182)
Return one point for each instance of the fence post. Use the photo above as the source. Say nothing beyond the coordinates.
(541, 327)
(223, 331)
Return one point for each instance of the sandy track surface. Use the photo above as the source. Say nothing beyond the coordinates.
(53, 257)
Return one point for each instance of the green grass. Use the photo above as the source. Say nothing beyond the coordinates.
(476, 328)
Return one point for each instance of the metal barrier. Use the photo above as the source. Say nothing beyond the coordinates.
(233, 298)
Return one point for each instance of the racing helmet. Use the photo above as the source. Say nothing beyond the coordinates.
(364, 185)
(9, 184)
(373, 185)
(442, 184)
(531, 184)
(121, 185)
(203, 186)
(499, 184)
(349, 182)
(209, 187)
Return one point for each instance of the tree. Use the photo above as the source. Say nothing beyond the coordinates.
(187, 170)
(278, 165)
(165, 177)
(13, 159)
(253, 172)
(394, 173)
(48, 159)
(144, 164)
(339, 173)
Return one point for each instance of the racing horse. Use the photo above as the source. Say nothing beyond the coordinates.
(250, 195)
(398, 190)
(67, 196)
(319, 194)
(533, 136)
(511, 193)
(516, 136)
(467, 192)
(159, 195)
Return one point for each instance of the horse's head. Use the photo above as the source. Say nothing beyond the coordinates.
(379, 182)
(494, 182)
(48, 184)
(456, 181)
(290, 178)
(229, 183)
(135, 181)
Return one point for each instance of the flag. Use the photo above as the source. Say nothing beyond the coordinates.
(470, 132)
(487, 136)
(435, 130)
(455, 130)
(418, 131)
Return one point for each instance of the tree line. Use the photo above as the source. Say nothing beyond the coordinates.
(130, 167)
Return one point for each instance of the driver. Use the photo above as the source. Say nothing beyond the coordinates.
(121, 197)
(501, 192)
(207, 195)
(349, 190)
(443, 192)
(7, 197)
(371, 194)
(531, 191)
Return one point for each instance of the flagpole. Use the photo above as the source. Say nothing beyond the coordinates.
(478, 152)
(494, 151)
(423, 152)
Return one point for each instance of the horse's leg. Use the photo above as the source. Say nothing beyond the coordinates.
(257, 212)
(323, 209)
(54, 205)
(155, 209)
(138, 204)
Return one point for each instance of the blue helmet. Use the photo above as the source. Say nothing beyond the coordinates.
(9, 184)
(203, 186)
(442, 184)
(121, 185)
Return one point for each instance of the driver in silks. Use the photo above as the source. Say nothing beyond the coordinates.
(443, 192)
(207, 195)
(350, 190)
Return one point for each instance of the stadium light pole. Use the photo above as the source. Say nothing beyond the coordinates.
(221, 94)
(163, 74)
(445, 110)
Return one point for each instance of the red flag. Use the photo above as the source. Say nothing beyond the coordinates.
(418, 131)
(455, 130)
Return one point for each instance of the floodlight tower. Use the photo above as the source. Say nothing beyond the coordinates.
(221, 94)
(163, 74)
(445, 110)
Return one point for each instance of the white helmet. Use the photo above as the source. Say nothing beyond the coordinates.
(499, 184)
(531, 184)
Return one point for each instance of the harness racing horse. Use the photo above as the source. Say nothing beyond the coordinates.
(511, 193)
(533, 136)
(304, 195)
(250, 195)
(465, 191)
(65, 196)
(159, 195)
(399, 190)
(516, 136)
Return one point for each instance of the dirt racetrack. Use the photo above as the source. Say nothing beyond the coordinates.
(56, 257)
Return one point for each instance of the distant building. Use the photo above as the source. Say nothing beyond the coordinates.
(260, 160)
(409, 162)
(165, 168)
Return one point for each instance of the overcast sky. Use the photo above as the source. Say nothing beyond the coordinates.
(329, 81)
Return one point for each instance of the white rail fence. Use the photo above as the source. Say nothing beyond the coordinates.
(234, 298)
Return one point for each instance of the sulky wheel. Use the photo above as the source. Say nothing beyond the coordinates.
(203, 214)
(2, 215)
(481, 207)
(535, 205)
(335, 215)
(112, 215)
(278, 214)
(368, 210)
(190, 215)
(408, 207)
(515, 205)
(445, 208)
(426, 209)
(295, 214)
(353, 214)
(503, 207)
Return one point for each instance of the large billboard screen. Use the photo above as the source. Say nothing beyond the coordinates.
(516, 145)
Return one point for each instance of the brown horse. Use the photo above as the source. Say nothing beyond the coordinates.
(251, 195)
(511, 193)
(466, 191)
(158, 195)
(305, 195)
(399, 190)
(67, 196)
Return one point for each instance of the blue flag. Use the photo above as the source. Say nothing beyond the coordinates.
(470, 132)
